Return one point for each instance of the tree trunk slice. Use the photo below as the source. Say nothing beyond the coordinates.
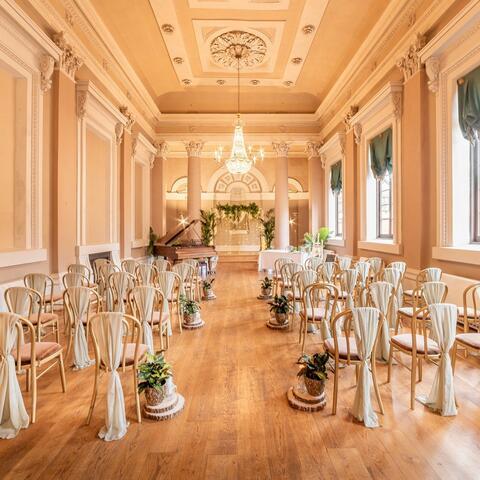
(169, 408)
(276, 326)
(305, 406)
(199, 323)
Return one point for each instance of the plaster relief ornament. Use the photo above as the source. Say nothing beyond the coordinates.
(46, 70)
(70, 62)
(228, 47)
(308, 29)
(130, 117)
(410, 63)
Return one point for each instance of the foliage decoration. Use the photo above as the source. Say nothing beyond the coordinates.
(152, 238)
(320, 237)
(268, 228)
(280, 305)
(314, 366)
(154, 372)
(208, 220)
(234, 211)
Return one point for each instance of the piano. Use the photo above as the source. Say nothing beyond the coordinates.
(184, 242)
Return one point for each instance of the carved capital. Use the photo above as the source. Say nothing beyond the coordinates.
(46, 70)
(432, 68)
(82, 98)
(281, 148)
(70, 62)
(410, 63)
(357, 132)
(342, 142)
(162, 149)
(352, 111)
(134, 146)
(129, 115)
(313, 149)
(194, 148)
(397, 104)
(323, 159)
(119, 132)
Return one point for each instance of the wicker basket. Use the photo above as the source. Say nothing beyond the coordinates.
(315, 388)
(154, 396)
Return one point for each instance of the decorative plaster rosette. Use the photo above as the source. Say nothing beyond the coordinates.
(223, 49)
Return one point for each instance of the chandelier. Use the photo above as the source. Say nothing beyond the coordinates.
(240, 160)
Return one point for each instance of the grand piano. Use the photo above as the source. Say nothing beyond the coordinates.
(184, 242)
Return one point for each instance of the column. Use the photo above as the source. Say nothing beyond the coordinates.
(282, 239)
(64, 188)
(316, 187)
(126, 149)
(158, 189)
(194, 194)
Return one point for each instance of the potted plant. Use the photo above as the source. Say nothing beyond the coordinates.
(266, 287)
(190, 310)
(207, 288)
(314, 371)
(280, 307)
(268, 228)
(315, 242)
(153, 376)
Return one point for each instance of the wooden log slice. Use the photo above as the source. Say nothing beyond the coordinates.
(180, 402)
(303, 406)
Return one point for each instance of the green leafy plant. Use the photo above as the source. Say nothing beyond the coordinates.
(280, 304)
(233, 212)
(309, 239)
(189, 307)
(267, 283)
(313, 366)
(208, 283)
(208, 220)
(152, 238)
(268, 228)
(154, 372)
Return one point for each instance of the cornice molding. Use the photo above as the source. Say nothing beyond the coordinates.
(69, 62)
(410, 63)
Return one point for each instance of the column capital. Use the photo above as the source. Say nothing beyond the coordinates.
(281, 148)
(410, 63)
(129, 116)
(70, 62)
(162, 149)
(194, 148)
(313, 149)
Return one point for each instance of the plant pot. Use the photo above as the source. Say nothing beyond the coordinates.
(314, 387)
(154, 396)
(191, 319)
(266, 292)
(208, 293)
(281, 318)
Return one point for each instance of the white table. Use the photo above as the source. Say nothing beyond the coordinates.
(266, 258)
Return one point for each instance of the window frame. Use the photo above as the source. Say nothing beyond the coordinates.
(380, 235)
(475, 193)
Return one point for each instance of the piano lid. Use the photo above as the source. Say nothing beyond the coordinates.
(183, 235)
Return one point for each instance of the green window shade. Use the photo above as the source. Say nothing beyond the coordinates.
(469, 105)
(381, 154)
(336, 177)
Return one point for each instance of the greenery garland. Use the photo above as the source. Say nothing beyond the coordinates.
(233, 211)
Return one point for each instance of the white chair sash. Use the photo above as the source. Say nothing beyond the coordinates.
(161, 264)
(108, 330)
(145, 273)
(122, 283)
(13, 415)
(381, 292)
(305, 278)
(433, 292)
(375, 264)
(314, 262)
(433, 274)
(166, 281)
(349, 282)
(365, 324)
(394, 277)
(344, 263)
(184, 271)
(145, 303)
(19, 299)
(129, 266)
(444, 324)
(79, 298)
(327, 270)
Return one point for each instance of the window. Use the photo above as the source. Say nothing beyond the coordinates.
(384, 207)
(475, 192)
(335, 200)
(338, 231)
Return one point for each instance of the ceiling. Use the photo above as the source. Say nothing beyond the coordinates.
(297, 49)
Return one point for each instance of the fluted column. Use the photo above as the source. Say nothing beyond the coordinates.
(282, 233)
(194, 194)
(315, 186)
(159, 200)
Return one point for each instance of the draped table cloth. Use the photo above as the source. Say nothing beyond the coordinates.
(267, 258)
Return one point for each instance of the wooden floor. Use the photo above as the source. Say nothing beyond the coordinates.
(234, 374)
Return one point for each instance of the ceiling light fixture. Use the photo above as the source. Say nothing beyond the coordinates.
(240, 161)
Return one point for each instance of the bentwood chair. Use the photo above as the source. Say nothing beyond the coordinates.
(28, 303)
(277, 277)
(45, 286)
(32, 356)
(319, 306)
(120, 283)
(162, 264)
(74, 280)
(110, 332)
(187, 275)
(82, 270)
(426, 275)
(286, 273)
(129, 265)
(343, 348)
(80, 304)
(376, 267)
(146, 274)
(344, 263)
(312, 263)
(300, 280)
(169, 283)
(105, 269)
(197, 280)
(147, 306)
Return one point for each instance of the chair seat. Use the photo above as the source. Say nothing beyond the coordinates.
(156, 317)
(56, 297)
(290, 296)
(408, 293)
(470, 312)
(42, 351)
(404, 340)
(342, 347)
(130, 352)
(318, 313)
(471, 340)
(44, 318)
(408, 312)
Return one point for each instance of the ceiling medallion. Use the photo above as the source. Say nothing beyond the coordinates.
(288, 83)
(167, 28)
(254, 82)
(307, 29)
(186, 81)
(178, 60)
(228, 47)
(220, 82)
(297, 60)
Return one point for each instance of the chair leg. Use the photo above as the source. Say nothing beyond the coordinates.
(57, 332)
(454, 356)
(420, 369)
(390, 360)
(161, 336)
(167, 338)
(61, 366)
(137, 396)
(335, 389)
(375, 385)
(94, 394)
(413, 382)
(27, 380)
(33, 379)
(357, 371)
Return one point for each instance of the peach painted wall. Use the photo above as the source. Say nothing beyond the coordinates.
(158, 200)
(125, 158)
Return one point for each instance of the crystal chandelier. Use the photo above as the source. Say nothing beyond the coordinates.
(240, 161)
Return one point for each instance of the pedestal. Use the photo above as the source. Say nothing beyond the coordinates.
(196, 323)
(271, 323)
(171, 406)
(300, 399)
